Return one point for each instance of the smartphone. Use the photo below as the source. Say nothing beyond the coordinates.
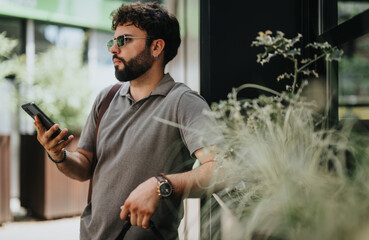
(32, 110)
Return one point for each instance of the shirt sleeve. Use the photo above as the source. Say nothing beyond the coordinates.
(196, 127)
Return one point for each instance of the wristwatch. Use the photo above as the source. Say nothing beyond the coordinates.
(165, 188)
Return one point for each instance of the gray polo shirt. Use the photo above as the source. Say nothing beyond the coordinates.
(132, 146)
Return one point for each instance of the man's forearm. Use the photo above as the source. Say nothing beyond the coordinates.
(196, 182)
(76, 166)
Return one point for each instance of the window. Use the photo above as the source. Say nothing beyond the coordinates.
(349, 9)
(13, 29)
(348, 81)
(353, 69)
(47, 35)
(353, 77)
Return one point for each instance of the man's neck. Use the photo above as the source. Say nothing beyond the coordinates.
(141, 87)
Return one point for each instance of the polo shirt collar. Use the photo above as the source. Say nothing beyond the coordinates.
(163, 87)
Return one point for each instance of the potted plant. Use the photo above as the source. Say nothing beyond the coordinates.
(287, 175)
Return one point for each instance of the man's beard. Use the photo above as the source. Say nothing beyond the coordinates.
(135, 67)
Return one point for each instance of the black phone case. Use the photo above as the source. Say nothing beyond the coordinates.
(32, 110)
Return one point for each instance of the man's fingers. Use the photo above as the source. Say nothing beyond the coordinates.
(61, 135)
(123, 213)
(40, 128)
(51, 131)
(63, 144)
(134, 219)
(48, 133)
(146, 221)
(56, 144)
(139, 220)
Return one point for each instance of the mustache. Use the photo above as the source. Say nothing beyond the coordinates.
(121, 59)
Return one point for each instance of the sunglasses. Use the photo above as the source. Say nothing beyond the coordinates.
(121, 40)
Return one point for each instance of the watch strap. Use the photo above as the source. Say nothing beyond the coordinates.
(161, 178)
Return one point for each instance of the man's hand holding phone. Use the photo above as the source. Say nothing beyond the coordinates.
(54, 140)
(54, 146)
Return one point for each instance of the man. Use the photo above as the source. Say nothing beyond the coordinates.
(136, 152)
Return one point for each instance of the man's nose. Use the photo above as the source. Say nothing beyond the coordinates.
(114, 49)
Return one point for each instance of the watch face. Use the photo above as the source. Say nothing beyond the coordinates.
(165, 189)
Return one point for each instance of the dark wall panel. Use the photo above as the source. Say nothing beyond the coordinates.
(227, 30)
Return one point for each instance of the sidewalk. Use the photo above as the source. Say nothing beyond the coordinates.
(31, 229)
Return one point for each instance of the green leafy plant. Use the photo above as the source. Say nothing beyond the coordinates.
(9, 62)
(61, 87)
(278, 45)
(286, 177)
(12, 66)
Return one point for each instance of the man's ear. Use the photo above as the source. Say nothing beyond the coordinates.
(157, 47)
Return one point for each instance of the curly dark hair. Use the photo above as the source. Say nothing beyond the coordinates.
(155, 20)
